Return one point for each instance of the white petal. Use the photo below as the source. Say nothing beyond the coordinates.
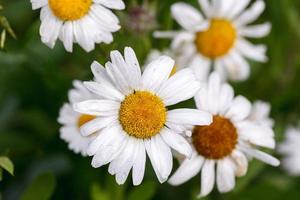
(187, 170)
(255, 31)
(109, 147)
(201, 67)
(99, 73)
(50, 28)
(67, 115)
(122, 165)
(206, 7)
(213, 92)
(207, 177)
(103, 137)
(176, 142)
(237, 67)
(264, 157)
(220, 68)
(226, 7)
(226, 98)
(157, 72)
(254, 52)
(251, 13)
(133, 62)
(225, 175)
(256, 134)
(104, 90)
(238, 8)
(187, 16)
(160, 156)
(97, 124)
(216, 8)
(138, 168)
(127, 164)
(241, 163)
(82, 36)
(239, 109)
(97, 107)
(119, 79)
(67, 36)
(181, 39)
(105, 18)
(180, 87)
(189, 117)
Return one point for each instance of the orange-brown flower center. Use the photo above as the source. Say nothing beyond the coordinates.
(217, 140)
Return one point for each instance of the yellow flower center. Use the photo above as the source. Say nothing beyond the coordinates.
(217, 40)
(70, 9)
(84, 119)
(142, 114)
(217, 140)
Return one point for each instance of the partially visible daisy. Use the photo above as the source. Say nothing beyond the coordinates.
(181, 62)
(220, 150)
(260, 113)
(71, 121)
(218, 38)
(289, 148)
(86, 22)
(133, 118)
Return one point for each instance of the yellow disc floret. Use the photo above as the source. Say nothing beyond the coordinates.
(70, 9)
(217, 40)
(142, 114)
(217, 140)
(84, 119)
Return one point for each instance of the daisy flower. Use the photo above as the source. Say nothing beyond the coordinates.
(71, 121)
(220, 150)
(218, 38)
(133, 118)
(289, 148)
(85, 22)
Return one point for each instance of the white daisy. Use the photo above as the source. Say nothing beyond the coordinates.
(289, 148)
(85, 22)
(220, 150)
(133, 118)
(218, 38)
(71, 121)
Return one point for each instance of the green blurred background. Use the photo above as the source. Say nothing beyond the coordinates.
(34, 81)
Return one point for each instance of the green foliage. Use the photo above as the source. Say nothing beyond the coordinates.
(41, 188)
(7, 165)
(145, 192)
(4, 24)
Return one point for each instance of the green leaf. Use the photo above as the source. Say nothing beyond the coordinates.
(5, 24)
(98, 193)
(1, 174)
(41, 188)
(6, 164)
(143, 192)
(2, 39)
